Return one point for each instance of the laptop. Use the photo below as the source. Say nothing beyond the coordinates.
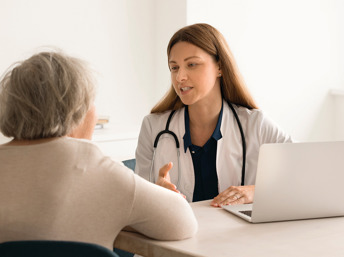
(296, 181)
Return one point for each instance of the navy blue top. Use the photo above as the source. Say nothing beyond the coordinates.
(204, 161)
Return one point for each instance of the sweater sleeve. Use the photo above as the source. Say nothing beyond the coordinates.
(160, 213)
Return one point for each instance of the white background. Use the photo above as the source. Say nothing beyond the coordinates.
(290, 52)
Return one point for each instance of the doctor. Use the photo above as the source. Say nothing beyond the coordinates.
(216, 123)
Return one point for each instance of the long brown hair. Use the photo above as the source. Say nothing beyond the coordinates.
(211, 41)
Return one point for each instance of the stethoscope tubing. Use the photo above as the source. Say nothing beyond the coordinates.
(167, 131)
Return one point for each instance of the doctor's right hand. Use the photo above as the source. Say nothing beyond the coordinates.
(164, 179)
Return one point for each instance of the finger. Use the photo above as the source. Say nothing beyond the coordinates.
(223, 196)
(177, 191)
(241, 200)
(231, 199)
(215, 204)
(182, 195)
(217, 200)
(165, 169)
(169, 186)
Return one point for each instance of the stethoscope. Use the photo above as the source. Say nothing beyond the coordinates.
(167, 131)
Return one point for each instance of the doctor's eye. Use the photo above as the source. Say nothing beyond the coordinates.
(173, 68)
(192, 64)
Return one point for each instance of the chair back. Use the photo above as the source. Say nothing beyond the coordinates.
(131, 163)
(53, 249)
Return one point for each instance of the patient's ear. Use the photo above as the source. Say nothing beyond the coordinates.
(86, 127)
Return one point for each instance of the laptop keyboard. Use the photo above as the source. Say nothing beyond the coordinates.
(247, 213)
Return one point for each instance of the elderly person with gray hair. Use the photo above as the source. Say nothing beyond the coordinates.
(55, 186)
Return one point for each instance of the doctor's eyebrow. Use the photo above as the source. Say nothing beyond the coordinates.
(186, 59)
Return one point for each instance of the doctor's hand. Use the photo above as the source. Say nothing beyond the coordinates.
(164, 179)
(234, 195)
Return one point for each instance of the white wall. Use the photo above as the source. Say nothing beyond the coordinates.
(124, 40)
(170, 16)
(116, 37)
(290, 54)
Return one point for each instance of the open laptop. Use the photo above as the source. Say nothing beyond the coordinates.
(296, 181)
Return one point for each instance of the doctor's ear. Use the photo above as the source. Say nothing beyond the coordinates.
(219, 73)
(219, 69)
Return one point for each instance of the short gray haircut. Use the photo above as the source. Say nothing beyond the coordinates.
(45, 96)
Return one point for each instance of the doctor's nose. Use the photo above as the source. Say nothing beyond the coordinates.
(181, 75)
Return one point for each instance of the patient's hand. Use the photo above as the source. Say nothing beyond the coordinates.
(234, 195)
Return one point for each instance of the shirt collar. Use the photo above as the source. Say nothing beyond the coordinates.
(187, 137)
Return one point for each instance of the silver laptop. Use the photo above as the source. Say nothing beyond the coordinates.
(296, 181)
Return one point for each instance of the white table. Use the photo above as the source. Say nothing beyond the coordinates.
(223, 234)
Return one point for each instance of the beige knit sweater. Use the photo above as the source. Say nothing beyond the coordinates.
(66, 189)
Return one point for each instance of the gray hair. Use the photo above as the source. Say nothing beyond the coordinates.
(47, 95)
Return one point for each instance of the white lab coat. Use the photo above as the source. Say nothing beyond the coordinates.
(258, 129)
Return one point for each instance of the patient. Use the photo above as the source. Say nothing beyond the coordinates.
(55, 187)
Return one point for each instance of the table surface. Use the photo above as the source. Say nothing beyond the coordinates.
(223, 234)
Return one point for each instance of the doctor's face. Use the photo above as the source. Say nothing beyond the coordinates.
(194, 74)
